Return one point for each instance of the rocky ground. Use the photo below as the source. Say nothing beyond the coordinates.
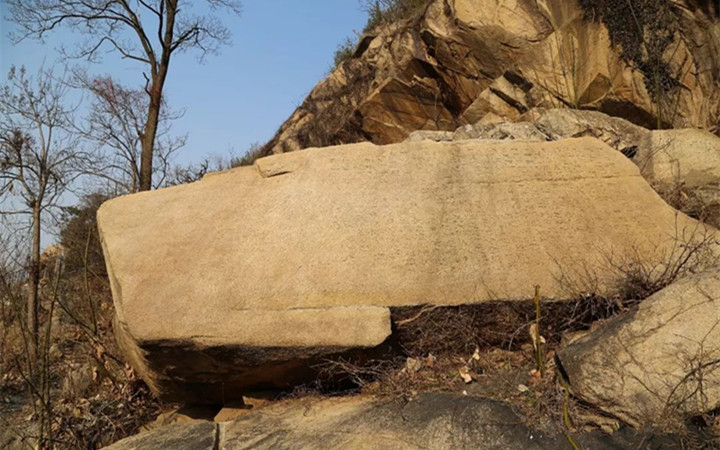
(506, 405)
(431, 420)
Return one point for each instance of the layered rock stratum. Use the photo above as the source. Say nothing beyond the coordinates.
(460, 61)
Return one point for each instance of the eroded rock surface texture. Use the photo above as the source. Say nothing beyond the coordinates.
(245, 278)
(432, 420)
(463, 60)
(683, 165)
(658, 364)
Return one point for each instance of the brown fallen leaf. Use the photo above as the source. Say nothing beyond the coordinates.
(465, 374)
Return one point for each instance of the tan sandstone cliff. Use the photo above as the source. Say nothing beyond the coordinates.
(463, 59)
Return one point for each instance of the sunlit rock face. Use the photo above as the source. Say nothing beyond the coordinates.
(461, 60)
(658, 364)
(245, 279)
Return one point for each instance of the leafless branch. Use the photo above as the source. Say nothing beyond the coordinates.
(144, 31)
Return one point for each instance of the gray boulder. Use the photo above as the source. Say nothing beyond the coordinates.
(432, 420)
(194, 436)
(660, 363)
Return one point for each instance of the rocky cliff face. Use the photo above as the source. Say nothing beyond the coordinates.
(462, 60)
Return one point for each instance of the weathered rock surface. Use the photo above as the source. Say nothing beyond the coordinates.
(660, 363)
(195, 436)
(432, 420)
(668, 157)
(618, 133)
(682, 165)
(265, 268)
(689, 157)
(465, 60)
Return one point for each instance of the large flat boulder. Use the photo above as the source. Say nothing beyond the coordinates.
(660, 363)
(242, 279)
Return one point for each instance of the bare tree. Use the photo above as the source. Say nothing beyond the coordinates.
(39, 159)
(146, 31)
(116, 121)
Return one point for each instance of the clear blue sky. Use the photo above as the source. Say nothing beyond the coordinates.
(280, 50)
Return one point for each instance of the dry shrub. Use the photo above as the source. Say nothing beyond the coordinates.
(357, 375)
(93, 398)
(692, 250)
(432, 345)
(79, 237)
(544, 403)
(384, 12)
(428, 349)
(215, 163)
(253, 153)
(692, 202)
(343, 52)
(461, 329)
(637, 278)
(107, 413)
(114, 403)
(705, 431)
(80, 394)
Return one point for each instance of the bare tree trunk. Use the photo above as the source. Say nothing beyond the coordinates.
(151, 127)
(33, 297)
(148, 145)
(144, 31)
(146, 153)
